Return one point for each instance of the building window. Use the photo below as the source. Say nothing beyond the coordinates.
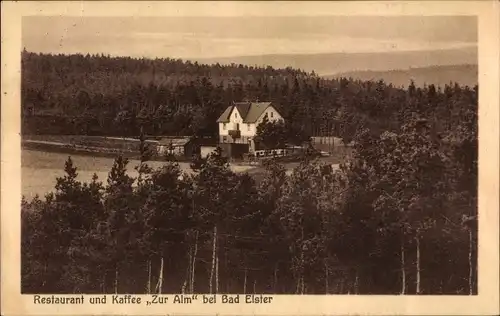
(235, 115)
(224, 139)
(224, 126)
(248, 127)
(271, 114)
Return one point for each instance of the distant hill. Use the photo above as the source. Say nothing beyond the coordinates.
(334, 63)
(437, 75)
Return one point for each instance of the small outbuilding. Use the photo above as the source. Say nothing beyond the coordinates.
(178, 146)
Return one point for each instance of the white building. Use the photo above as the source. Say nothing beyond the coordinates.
(238, 123)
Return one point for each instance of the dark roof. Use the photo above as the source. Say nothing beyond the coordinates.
(249, 111)
(243, 108)
(180, 141)
(256, 111)
(225, 115)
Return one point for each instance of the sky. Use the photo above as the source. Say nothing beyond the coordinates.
(208, 37)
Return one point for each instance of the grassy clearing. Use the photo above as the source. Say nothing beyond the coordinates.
(40, 167)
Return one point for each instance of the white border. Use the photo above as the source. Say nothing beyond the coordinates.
(487, 302)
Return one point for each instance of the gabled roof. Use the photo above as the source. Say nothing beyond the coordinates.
(243, 108)
(256, 111)
(224, 118)
(249, 111)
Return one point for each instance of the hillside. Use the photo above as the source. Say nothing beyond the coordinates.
(112, 96)
(334, 63)
(437, 75)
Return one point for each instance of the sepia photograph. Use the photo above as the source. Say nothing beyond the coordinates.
(240, 157)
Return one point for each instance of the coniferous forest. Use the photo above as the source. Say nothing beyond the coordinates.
(399, 217)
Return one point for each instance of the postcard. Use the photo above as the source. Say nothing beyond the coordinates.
(250, 158)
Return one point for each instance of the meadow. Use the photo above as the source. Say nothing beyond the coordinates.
(40, 169)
